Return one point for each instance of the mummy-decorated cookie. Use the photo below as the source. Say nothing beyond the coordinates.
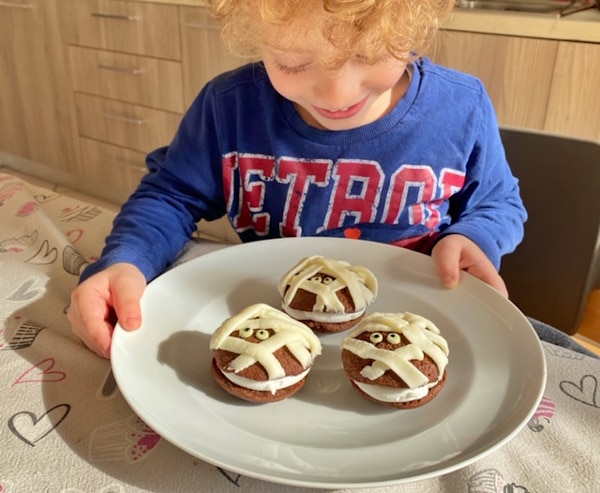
(263, 355)
(396, 359)
(326, 294)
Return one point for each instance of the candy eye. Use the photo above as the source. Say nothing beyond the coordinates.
(393, 338)
(321, 279)
(245, 332)
(262, 334)
(376, 337)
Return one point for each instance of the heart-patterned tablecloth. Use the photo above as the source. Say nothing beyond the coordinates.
(65, 427)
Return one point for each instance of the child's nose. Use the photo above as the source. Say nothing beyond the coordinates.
(337, 89)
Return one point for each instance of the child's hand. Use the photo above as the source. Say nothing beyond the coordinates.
(455, 252)
(96, 304)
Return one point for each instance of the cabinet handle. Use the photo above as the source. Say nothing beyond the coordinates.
(125, 70)
(12, 5)
(126, 119)
(121, 17)
(199, 25)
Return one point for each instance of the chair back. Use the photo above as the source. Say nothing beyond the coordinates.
(551, 273)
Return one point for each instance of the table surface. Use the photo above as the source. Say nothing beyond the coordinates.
(67, 428)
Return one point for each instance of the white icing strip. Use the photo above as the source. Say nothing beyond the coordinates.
(265, 385)
(360, 281)
(301, 341)
(250, 353)
(327, 317)
(422, 335)
(299, 352)
(398, 361)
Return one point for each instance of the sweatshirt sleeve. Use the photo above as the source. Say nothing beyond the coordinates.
(183, 185)
(489, 209)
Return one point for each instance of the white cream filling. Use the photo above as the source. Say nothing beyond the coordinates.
(326, 317)
(265, 385)
(389, 394)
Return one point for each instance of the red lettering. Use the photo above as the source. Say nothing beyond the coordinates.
(451, 181)
(356, 192)
(252, 192)
(229, 167)
(355, 196)
(300, 175)
(411, 183)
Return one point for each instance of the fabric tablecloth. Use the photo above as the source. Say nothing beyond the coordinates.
(65, 427)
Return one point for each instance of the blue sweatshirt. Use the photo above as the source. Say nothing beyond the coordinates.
(433, 166)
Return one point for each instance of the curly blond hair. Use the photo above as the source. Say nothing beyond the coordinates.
(404, 29)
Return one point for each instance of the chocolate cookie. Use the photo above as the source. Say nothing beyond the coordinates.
(262, 355)
(396, 359)
(326, 294)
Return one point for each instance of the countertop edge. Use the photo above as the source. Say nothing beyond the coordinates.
(582, 26)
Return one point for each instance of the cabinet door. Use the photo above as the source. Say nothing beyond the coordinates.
(128, 125)
(574, 104)
(115, 166)
(203, 53)
(148, 29)
(517, 72)
(131, 78)
(36, 107)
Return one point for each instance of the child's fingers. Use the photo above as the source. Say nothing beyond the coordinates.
(455, 253)
(447, 261)
(126, 295)
(98, 338)
(488, 274)
(88, 318)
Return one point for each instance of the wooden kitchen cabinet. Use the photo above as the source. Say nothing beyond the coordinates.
(137, 79)
(150, 29)
(574, 102)
(543, 84)
(125, 66)
(125, 167)
(36, 106)
(127, 125)
(203, 52)
(517, 72)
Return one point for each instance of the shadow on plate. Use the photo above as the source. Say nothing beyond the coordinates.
(186, 352)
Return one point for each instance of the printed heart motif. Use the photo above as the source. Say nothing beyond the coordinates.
(586, 392)
(45, 254)
(26, 291)
(232, 478)
(42, 372)
(9, 190)
(352, 233)
(27, 209)
(26, 426)
(74, 235)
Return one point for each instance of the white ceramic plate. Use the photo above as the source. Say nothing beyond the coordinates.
(327, 436)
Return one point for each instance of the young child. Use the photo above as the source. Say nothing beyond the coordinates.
(342, 129)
